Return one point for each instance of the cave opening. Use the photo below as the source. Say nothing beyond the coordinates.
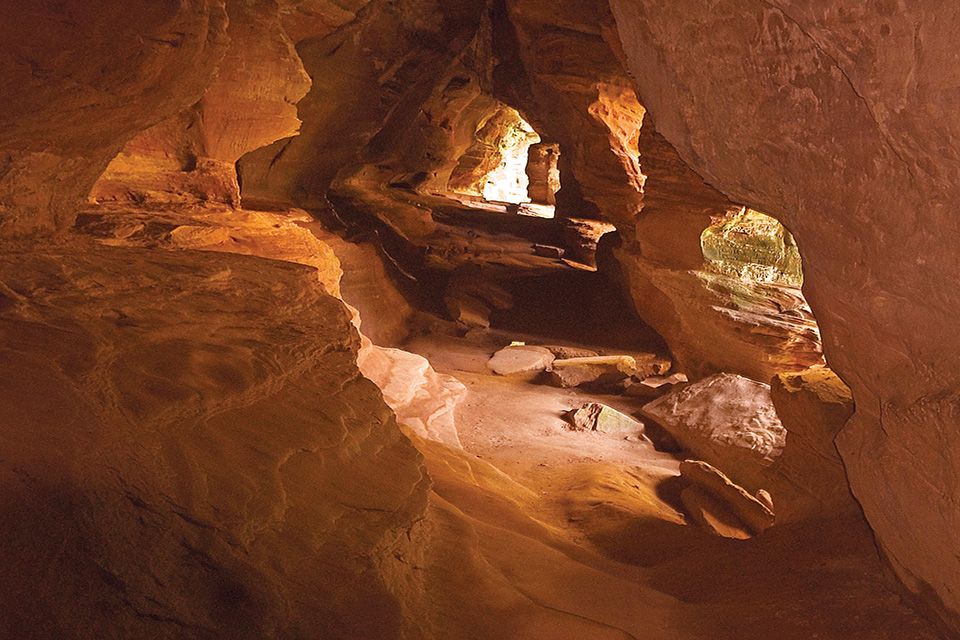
(508, 162)
(751, 245)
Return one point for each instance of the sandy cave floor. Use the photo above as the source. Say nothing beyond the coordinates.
(541, 532)
(607, 503)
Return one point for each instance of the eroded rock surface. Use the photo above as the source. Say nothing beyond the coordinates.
(66, 113)
(727, 420)
(191, 156)
(205, 407)
(838, 118)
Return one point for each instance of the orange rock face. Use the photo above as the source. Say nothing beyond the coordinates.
(252, 103)
(205, 409)
(838, 118)
(79, 80)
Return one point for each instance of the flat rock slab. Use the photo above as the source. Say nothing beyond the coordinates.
(594, 416)
(520, 359)
(731, 506)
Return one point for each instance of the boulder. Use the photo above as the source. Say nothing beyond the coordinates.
(520, 359)
(594, 416)
(574, 376)
(809, 479)
(726, 420)
(716, 502)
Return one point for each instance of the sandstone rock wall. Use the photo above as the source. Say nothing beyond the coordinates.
(376, 70)
(79, 80)
(252, 103)
(190, 452)
(838, 118)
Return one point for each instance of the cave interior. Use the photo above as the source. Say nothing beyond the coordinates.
(479, 319)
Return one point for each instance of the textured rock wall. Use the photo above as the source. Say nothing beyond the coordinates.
(712, 323)
(190, 452)
(252, 103)
(373, 73)
(557, 69)
(79, 80)
(838, 118)
(573, 86)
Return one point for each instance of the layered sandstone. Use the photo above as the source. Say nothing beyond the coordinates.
(204, 409)
(838, 119)
(79, 80)
(191, 157)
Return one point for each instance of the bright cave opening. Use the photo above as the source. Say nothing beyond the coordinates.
(508, 163)
(749, 245)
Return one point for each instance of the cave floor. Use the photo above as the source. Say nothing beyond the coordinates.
(538, 531)
(534, 531)
(586, 527)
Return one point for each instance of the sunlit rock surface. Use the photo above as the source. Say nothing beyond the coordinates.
(726, 420)
(191, 157)
(79, 80)
(838, 118)
(714, 320)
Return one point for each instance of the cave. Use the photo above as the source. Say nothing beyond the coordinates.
(388, 319)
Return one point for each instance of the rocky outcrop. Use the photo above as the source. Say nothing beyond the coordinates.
(809, 478)
(838, 119)
(542, 172)
(557, 69)
(252, 103)
(79, 80)
(190, 451)
(713, 322)
(374, 74)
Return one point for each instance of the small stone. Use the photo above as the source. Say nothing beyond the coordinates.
(594, 416)
(546, 251)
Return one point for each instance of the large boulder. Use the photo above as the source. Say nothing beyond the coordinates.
(809, 479)
(726, 420)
